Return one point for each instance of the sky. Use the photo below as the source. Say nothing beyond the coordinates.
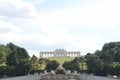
(73, 25)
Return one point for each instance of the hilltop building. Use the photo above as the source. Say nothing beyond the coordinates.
(60, 53)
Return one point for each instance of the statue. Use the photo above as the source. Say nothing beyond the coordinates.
(60, 70)
(60, 74)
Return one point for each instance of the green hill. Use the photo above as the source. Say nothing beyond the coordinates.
(61, 60)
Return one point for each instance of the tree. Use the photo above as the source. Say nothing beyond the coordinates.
(41, 62)
(3, 70)
(98, 53)
(108, 69)
(35, 64)
(52, 65)
(12, 59)
(4, 52)
(117, 56)
(117, 70)
(17, 60)
(23, 67)
(77, 64)
(34, 58)
(111, 45)
(110, 52)
(68, 65)
(16, 54)
(21, 53)
(106, 57)
(95, 65)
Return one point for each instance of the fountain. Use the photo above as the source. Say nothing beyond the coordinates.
(60, 74)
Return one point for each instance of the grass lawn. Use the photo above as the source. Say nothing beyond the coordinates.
(61, 60)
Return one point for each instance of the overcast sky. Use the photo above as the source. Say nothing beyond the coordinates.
(44, 25)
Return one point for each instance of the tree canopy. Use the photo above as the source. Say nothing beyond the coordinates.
(15, 61)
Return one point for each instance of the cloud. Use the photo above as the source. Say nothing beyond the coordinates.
(17, 9)
(83, 28)
(37, 2)
(55, 38)
(103, 14)
(98, 20)
(9, 27)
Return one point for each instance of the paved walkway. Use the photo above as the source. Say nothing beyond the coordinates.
(89, 77)
(37, 77)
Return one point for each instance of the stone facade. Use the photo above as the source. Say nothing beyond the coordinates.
(59, 53)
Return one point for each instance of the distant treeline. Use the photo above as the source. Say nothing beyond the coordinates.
(15, 61)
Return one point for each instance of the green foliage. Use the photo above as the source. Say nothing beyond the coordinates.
(20, 53)
(52, 65)
(61, 60)
(111, 45)
(4, 52)
(34, 58)
(35, 64)
(15, 61)
(110, 52)
(3, 70)
(16, 54)
(106, 61)
(12, 59)
(38, 65)
(108, 68)
(68, 66)
(117, 56)
(23, 67)
(106, 57)
(42, 62)
(95, 65)
(98, 53)
(117, 70)
(77, 64)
